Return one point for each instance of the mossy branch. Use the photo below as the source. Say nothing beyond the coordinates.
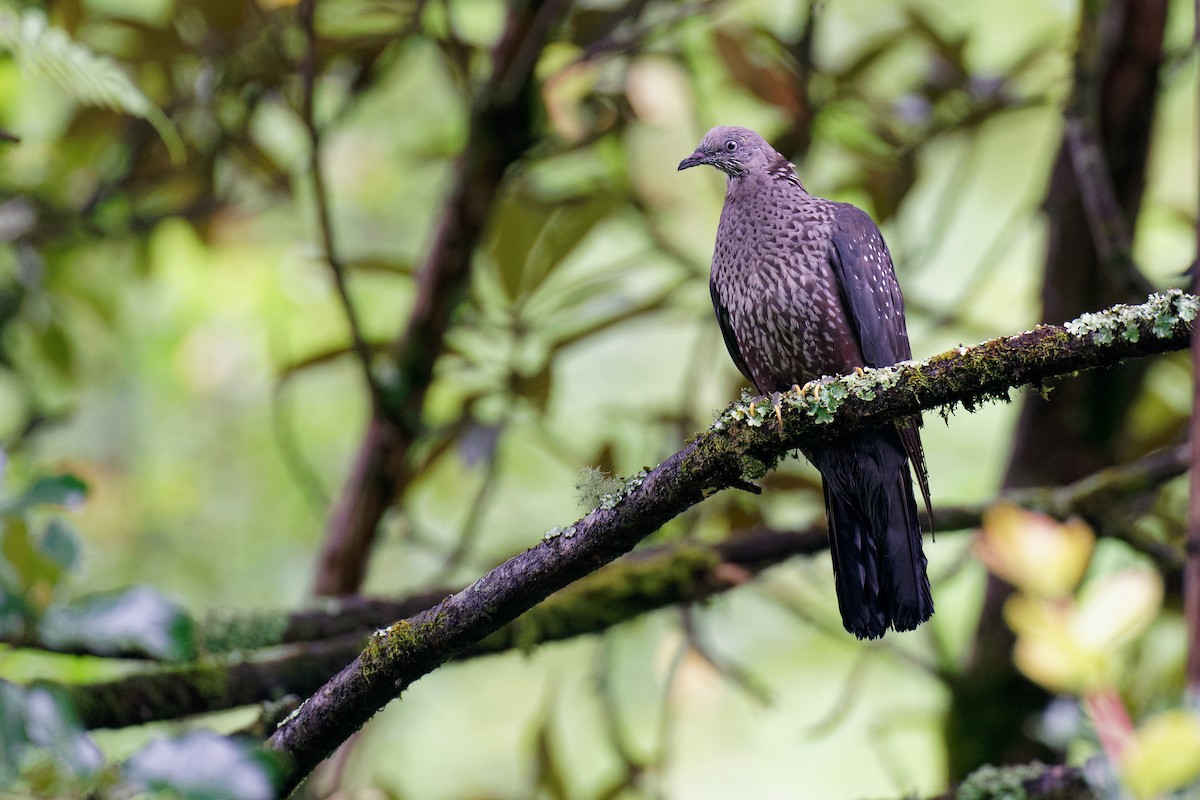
(309, 645)
(739, 444)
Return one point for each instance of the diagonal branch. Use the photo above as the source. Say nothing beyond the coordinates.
(500, 131)
(1106, 220)
(738, 447)
(326, 638)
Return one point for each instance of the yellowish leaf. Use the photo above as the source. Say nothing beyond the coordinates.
(567, 83)
(1047, 652)
(1116, 608)
(658, 90)
(1032, 551)
(1164, 755)
(1073, 646)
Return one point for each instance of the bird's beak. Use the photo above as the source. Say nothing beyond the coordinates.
(694, 159)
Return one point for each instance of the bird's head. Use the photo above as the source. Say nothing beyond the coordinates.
(734, 151)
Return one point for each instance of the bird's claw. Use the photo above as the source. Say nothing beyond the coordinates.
(803, 392)
(777, 403)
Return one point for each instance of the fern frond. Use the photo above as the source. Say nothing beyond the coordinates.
(92, 79)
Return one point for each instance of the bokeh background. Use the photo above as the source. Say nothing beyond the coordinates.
(171, 334)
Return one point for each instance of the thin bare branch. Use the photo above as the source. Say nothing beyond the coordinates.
(500, 130)
(306, 12)
(1110, 230)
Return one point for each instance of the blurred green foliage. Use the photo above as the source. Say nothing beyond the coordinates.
(169, 334)
(44, 752)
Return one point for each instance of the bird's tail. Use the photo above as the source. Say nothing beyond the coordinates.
(874, 536)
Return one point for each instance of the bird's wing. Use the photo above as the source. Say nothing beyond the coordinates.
(727, 333)
(872, 298)
(868, 286)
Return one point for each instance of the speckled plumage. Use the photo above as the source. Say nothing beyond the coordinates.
(804, 287)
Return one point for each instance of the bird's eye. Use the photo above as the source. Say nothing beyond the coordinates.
(731, 145)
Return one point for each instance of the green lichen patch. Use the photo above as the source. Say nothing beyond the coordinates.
(593, 484)
(754, 411)
(242, 631)
(598, 489)
(556, 531)
(391, 645)
(295, 713)
(625, 486)
(999, 783)
(821, 399)
(610, 596)
(1160, 315)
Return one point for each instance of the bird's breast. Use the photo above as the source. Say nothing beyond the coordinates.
(772, 273)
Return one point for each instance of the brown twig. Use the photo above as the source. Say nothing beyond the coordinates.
(306, 12)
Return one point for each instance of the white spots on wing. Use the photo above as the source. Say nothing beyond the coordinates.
(772, 273)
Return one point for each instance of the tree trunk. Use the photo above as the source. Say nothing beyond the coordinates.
(1080, 428)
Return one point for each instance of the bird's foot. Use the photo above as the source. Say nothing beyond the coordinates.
(859, 372)
(777, 403)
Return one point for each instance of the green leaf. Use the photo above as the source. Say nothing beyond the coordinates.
(61, 544)
(15, 614)
(89, 78)
(134, 621)
(33, 571)
(61, 490)
(515, 228)
(530, 238)
(564, 230)
(205, 766)
(39, 720)
(56, 349)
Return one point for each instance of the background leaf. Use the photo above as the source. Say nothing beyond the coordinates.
(61, 490)
(39, 721)
(205, 766)
(96, 80)
(137, 620)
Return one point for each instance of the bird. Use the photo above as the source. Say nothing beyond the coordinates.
(804, 287)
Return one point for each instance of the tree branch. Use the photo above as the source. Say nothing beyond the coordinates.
(1109, 229)
(500, 131)
(1034, 781)
(739, 446)
(644, 581)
